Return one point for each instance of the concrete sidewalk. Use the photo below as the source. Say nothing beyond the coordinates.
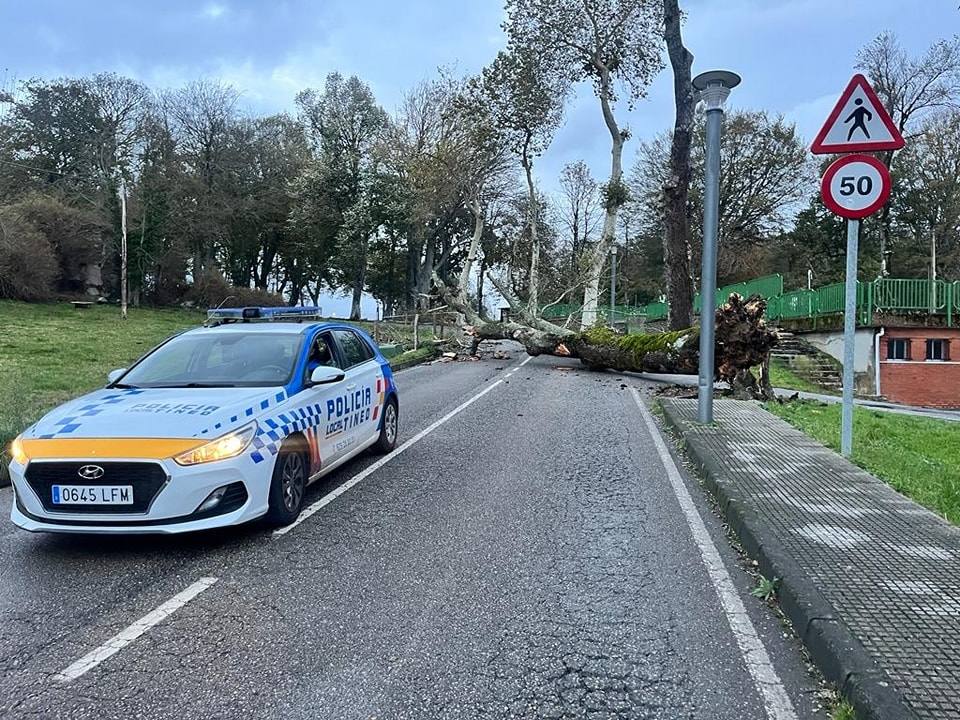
(882, 405)
(870, 579)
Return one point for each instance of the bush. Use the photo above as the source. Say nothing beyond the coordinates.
(213, 290)
(28, 264)
(76, 236)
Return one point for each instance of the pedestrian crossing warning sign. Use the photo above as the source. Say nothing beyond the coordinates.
(858, 123)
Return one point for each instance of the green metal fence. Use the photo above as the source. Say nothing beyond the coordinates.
(897, 294)
(884, 295)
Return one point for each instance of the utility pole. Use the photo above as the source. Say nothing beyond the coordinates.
(123, 248)
(613, 284)
(933, 263)
(933, 270)
(714, 88)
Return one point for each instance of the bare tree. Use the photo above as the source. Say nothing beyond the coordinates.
(676, 188)
(612, 43)
(201, 114)
(910, 88)
(524, 97)
(765, 175)
(578, 212)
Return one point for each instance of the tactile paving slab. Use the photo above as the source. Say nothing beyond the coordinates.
(890, 568)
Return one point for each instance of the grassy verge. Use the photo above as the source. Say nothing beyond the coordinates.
(52, 352)
(918, 457)
(781, 376)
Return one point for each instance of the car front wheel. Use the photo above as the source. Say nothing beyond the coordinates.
(389, 428)
(287, 487)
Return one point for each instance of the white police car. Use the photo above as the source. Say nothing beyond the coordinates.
(216, 426)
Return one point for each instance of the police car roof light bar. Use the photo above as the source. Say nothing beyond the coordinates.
(218, 316)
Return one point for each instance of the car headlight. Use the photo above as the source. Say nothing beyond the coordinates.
(225, 446)
(17, 452)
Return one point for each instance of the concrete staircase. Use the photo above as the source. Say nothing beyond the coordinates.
(808, 362)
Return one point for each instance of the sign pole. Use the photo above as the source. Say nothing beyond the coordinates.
(849, 335)
(853, 187)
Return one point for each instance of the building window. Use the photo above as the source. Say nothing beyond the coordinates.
(938, 349)
(898, 349)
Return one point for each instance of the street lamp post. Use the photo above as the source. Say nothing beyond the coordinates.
(714, 89)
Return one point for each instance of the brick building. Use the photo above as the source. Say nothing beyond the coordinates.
(920, 365)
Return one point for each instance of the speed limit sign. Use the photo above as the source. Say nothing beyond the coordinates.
(855, 186)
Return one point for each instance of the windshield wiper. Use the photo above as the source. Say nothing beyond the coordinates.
(123, 386)
(194, 385)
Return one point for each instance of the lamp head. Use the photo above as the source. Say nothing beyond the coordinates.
(714, 87)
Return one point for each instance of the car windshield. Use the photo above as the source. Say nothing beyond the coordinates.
(228, 359)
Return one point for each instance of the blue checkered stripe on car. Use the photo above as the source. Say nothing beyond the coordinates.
(273, 430)
(66, 425)
(259, 406)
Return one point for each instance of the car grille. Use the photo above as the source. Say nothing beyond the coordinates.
(146, 478)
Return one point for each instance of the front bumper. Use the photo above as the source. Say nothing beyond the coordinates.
(174, 508)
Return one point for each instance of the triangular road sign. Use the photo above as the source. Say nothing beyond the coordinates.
(858, 123)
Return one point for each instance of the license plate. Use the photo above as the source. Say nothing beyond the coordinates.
(92, 494)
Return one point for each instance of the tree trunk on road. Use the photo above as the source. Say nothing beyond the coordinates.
(676, 239)
(743, 340)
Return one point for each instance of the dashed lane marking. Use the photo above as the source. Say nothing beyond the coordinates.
(775, 700)
(132, 632)
(312, 509)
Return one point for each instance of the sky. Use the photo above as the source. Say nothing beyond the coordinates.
(795, 56)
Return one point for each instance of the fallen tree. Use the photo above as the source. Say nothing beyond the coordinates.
(743, 341)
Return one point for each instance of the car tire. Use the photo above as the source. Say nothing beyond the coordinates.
(389, 428)
(288, 486)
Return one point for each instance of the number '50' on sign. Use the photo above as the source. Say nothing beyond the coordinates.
(855, 186)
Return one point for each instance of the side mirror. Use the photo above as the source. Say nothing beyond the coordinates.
(115, 375)
(324, 375)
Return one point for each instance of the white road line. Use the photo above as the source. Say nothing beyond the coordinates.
(131, 633)
(775, 699)
(368, 471)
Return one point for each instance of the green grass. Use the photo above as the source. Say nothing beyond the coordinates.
(843, 711)
(781, 376)
(52, 352)
(919, 457)
(414, 357)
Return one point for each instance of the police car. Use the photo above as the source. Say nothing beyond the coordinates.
(216, 426)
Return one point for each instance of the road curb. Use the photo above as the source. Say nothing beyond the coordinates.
(834, 648)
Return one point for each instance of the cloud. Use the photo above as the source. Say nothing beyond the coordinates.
(810, 115)
(214, 10)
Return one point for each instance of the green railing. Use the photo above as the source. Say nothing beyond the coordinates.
(896, 294)
(657, 310)
(768, 286)
(884, 295)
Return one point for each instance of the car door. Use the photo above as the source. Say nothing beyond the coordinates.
(359, 396)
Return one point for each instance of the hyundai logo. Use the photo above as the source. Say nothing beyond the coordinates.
(90, 472)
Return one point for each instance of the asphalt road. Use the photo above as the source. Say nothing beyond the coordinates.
(529, 557)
